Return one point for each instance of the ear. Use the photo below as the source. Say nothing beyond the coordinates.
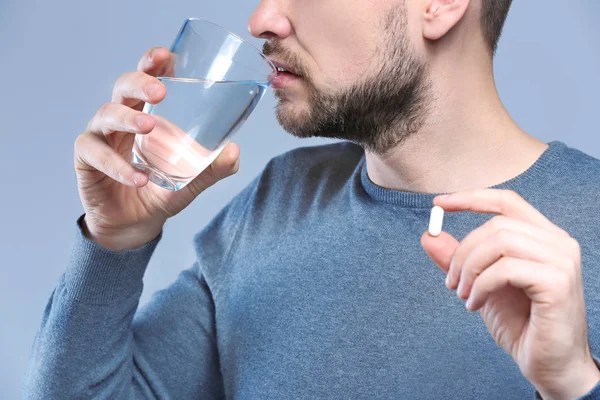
(441, 16)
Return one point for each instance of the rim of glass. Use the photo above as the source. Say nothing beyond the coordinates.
(273, 68)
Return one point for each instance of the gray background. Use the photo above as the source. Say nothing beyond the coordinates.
(59, 60)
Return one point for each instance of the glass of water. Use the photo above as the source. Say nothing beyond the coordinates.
(215, 81)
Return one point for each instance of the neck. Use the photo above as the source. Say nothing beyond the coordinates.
(468, 140)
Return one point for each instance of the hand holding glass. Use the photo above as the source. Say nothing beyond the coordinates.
(215, 81)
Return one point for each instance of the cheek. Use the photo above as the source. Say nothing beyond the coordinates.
(338, 39)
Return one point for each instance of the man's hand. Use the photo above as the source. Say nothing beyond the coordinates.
(523, 274)
(122, 211)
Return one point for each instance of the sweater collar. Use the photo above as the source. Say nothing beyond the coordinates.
(425, 200)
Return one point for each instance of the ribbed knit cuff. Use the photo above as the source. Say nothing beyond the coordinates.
(593, 394)
(96, 275)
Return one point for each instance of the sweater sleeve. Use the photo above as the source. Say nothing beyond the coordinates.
(593, 394)
(92, 344)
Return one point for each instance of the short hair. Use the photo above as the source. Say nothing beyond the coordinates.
(493, 16)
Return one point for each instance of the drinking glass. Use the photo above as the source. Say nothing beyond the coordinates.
(214, 81)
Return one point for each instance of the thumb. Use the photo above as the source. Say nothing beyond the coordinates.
(440, 249)
(226, 164)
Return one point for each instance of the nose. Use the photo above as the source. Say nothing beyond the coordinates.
(269, 21)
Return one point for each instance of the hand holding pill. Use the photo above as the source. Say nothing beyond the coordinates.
(523, 274)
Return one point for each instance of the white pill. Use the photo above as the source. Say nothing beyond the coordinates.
(436, 220)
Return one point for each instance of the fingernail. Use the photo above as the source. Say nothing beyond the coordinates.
(138, 177)
(448, 281)
(468, 304)
(140, 119)
(153, 89)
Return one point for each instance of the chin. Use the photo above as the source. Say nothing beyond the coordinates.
(292, 119)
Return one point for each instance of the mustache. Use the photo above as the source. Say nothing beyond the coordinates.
(277, 51)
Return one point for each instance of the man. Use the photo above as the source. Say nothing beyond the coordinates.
(317, 280)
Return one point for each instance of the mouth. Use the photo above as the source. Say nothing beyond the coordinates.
(284, 68)
(284, 75)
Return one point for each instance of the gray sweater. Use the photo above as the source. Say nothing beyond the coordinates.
(310, 284)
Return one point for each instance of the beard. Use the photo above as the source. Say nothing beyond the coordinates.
(380, 111)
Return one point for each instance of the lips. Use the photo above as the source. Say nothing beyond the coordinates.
(283, 67)
(284, 75)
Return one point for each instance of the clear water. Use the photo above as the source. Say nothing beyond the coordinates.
(194, 122)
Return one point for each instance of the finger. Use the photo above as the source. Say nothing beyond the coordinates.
(92, 153)
(440, 249)
(158, 61)
(490, 228)
(505, 243)
(496, 201)
(226, 164)
(114, 117)
(134, 88)
(534, 278)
